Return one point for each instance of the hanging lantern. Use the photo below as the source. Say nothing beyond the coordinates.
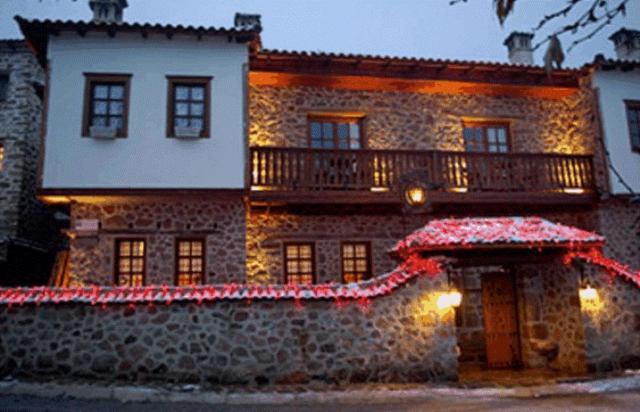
(588, 293)
(415, 194)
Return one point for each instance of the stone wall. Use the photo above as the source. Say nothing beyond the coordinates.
(401, 337)
(160, 222)
(24, 221)
(410, 121)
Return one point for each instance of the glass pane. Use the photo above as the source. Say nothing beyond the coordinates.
(316, 130)
(115, 122)
(327, 130)
(123, 280)
(343, 144)
(355, 143)
(99, 121)
(196, 265)
(125, 249)
(348, 265)
(502, 135)
(197, 123)
(361, 251)
(197, 93)
(115, 108)
(491, 135)
(101, 91)
(493, 148)
(182, 93)
(100, 107)
(347, 251)
(355, 130)
(182, 109)
(183, 248)
(292, 251)
(125, 265)
(136, 280)
(197, 109)
(343, 130)
(305, 252)
(117, 92)
(137, 248)
(361, 265)
(182, 122)
(316, 144)
(136, 265)
(292, 267)
(196, 248)
(183, 265)
(327, 144)
(305, 266)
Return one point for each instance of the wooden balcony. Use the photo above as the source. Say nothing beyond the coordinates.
(302, 175)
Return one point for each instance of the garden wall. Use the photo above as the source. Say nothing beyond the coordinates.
(399, 337)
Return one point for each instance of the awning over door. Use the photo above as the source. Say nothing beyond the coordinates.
(494, 232)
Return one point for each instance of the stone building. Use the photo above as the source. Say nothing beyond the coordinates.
(192, 156)
(27, 232)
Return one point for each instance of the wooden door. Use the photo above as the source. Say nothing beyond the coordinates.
(500, 320)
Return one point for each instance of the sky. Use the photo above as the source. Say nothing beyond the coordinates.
(414, 28)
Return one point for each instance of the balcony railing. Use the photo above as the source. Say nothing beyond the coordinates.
(303, 169)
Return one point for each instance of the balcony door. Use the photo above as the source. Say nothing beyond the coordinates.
(335, 169)
(484, 170)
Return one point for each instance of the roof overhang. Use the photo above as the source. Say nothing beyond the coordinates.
(501, 233)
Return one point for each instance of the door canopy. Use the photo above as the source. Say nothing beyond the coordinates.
(499, 232)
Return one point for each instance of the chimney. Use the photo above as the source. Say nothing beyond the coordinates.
(247, 22)
(627, 44)
(520, 49)
(107, 11)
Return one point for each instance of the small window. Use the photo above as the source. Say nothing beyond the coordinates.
(106, 103)
(1, 157)
(486, 137)
(189, 101)
(335, 132)
(633, 120)
(189, 262)
(4, 87)
(299, 263)
(356, 261)
(130, 265)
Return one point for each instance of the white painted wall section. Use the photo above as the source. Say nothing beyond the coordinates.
(614, 87)
(146, 158)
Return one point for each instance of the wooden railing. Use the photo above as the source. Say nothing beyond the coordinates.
(276, 168)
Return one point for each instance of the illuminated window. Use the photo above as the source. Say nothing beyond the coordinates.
(4, 86)
(106, 102)
(356, 262)
(486, 137)
(130, 265)
(299, 263)
(335, 132)
(189, 102)
(1, 157)
(189, 262)
(633, 120)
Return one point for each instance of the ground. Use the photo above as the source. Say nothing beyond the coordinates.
(622, 401)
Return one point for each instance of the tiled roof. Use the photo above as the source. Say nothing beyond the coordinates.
(36, 31)
(602, 63)
(470, 233)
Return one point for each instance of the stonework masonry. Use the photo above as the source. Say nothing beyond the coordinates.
(401, 337)
(25, 223)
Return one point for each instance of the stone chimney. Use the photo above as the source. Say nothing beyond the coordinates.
(627, 44)
(520, 49)
(247, 22)
(107, 11)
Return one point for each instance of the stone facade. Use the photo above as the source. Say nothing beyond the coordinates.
(221, 223)
(28, 233)
(400, 337)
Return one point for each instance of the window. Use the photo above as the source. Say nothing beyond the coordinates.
(106, 102)
(356, 263)
(189, 262)
(4, 86)
(188, 105)
(130, 266)
(633, 120)
(1, 157)
(335, 132)
(299, 263)
(486, 137)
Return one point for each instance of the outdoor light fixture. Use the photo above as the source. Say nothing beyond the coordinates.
(416, 195)
(588, 293)
(451, 299)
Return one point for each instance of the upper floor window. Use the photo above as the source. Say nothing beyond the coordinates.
(130, 265)
(4, 86)
(356, 261)
(489, 137)
(106, 105)
(189, 101)
(189, 262)
(335, 132)
(1, 157)
(633, 120)
(299, 263)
